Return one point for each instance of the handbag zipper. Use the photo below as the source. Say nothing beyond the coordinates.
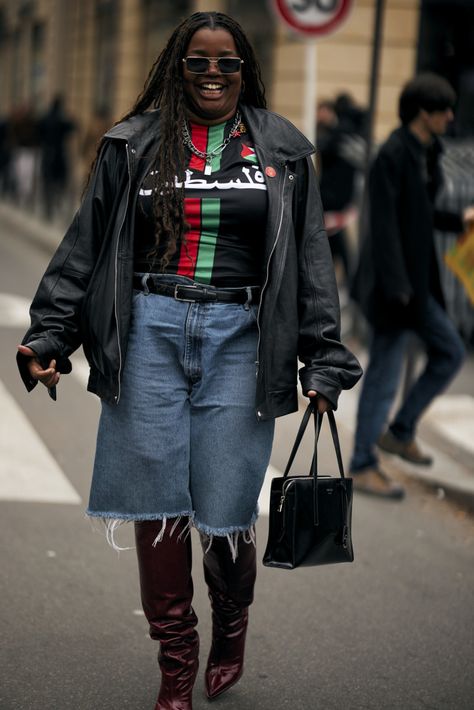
(284, 491)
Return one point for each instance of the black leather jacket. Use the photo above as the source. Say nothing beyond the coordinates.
(85, 294)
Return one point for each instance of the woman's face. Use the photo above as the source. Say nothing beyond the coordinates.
(211, 97)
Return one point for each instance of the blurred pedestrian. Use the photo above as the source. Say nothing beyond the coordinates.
(340, 158)
(23, 140)
(54, 131)
(5, 156)
(195, 274)
(398, 283)
(353, 120)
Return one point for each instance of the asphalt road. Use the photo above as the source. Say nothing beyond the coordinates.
(392, 630)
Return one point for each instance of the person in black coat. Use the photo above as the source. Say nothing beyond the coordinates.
(55, 129)
(341, 148)
(398, 284)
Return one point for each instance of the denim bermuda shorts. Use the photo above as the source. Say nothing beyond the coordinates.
(184, 439)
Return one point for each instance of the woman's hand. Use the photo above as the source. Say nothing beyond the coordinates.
(322, 404)
(49, 377)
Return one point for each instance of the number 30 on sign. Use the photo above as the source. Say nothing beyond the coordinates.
(313, 17)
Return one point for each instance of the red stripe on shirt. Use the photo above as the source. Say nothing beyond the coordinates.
(189, 250)
(199, 136)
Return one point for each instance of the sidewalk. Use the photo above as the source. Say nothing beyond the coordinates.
(446, 430)
(47, 235)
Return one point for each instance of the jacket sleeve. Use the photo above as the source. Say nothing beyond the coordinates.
(386, 247)
(448, 221)
(329, 366)
(55, 311)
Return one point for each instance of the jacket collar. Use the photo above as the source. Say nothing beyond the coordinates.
(275, 134)
(270, 132)
(416, 147)
(131, 129)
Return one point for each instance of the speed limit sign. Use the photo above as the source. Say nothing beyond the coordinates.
(313, 17)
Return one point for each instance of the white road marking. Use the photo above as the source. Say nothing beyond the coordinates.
(80, 368)
(453, 417)
(28, 472)
(14, 311)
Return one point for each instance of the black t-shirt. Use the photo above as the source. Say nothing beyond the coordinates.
(226, 210)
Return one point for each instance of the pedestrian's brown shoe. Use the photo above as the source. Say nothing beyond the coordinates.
(408, 450)
(375, 482)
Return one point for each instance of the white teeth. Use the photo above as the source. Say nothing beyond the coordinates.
(212, 87)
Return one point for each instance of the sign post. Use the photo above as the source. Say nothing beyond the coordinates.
(310, 91)
(312, 19)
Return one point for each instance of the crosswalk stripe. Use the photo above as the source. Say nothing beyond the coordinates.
(28, 472)
(80, 368)
(14, 311)
(452, 416)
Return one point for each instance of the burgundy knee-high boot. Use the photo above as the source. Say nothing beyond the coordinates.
(167, 591)
(231, 586)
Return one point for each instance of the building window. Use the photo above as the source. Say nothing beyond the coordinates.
(16, 80)
(446, 47)
(37, 63)
(258, 23)
(106, 54)
(160, 19)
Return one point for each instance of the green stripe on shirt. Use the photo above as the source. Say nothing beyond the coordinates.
(210, 219)
(215, 138)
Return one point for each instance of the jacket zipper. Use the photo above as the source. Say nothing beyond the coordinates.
(117, 396)
(268, 270)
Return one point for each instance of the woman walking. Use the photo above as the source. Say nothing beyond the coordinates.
(195, 274)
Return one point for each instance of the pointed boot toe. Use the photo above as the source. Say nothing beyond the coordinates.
(221, 677)
(225, 665)
(231, 583)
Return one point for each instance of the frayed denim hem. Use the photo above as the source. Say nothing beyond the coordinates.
(246, 533)
(112, 521)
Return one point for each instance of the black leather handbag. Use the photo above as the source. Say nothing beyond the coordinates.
(310, 516)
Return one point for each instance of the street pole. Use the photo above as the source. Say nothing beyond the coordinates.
(372, 107)
(310, 92)
(374, 80)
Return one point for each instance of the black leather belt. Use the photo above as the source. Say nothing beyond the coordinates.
(193, 293)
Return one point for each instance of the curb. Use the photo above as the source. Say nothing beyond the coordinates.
(459, 490)
(31, 227)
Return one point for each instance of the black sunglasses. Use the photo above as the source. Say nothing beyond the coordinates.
(201, 65)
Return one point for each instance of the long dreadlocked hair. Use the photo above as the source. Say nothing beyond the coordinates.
(163, 89)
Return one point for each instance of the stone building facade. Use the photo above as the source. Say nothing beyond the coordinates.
(97, 53)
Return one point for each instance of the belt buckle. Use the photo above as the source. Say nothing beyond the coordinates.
(184, 300)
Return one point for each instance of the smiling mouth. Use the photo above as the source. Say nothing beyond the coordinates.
(211, 87)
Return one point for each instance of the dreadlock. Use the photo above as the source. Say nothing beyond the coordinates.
(163, 89)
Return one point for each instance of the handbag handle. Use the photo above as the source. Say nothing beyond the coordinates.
(299, 436)
(318, 418)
